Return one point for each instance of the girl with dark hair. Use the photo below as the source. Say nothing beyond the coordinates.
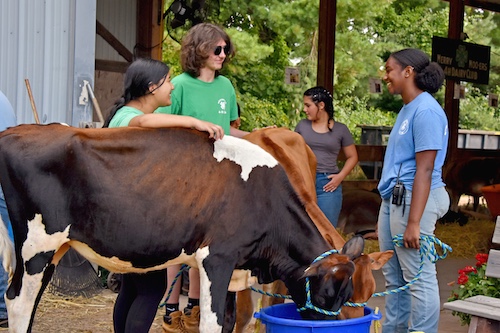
(147, 87)
(327, 137)
(412, 190)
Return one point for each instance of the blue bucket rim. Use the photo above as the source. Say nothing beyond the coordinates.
(264, 317)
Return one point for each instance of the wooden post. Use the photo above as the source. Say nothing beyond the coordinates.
(452, 106)
(150, 29)
(326, 43)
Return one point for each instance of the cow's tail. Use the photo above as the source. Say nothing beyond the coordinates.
(6, 250)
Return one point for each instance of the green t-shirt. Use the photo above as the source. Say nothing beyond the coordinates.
(123, 116)
(210, 101)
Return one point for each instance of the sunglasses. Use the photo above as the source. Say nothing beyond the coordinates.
(219, 48)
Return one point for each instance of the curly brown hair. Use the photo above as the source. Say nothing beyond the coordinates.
(199, 44)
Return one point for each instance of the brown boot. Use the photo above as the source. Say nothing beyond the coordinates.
(191, 320)
(173, 323)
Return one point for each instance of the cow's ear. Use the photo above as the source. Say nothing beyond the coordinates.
(354, 247)
(380, 258)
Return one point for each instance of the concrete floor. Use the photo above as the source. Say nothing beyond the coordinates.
(447, 272)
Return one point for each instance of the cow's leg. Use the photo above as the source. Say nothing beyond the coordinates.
(33, 272)
(215, 273)
(476, 202)
(244, 309)
(22, 307)
(230, 317)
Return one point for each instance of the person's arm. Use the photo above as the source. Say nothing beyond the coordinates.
(157, 120)
(351, 155)
(237, 132)
(420, 195)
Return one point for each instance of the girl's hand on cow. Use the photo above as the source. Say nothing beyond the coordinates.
(332, 184)
(215, 131)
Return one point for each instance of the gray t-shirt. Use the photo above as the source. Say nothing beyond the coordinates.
(326, 146)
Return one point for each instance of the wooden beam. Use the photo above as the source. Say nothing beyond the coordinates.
(149, 29)
(491, 5)
(371, 153)
(111, 66)
(113, 41)
(451, 105)
(326, 43)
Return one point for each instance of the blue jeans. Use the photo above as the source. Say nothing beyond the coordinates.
(417, 308)
(4, 277)
(330, 203)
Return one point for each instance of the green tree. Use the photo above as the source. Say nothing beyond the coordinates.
(273, 34)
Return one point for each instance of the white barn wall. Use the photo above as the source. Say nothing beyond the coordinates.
(119, 18)
(51, 43)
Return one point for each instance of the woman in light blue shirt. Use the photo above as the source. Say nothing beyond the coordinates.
(412, 189)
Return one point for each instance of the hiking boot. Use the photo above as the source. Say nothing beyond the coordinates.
(173, 323)
(191, 320)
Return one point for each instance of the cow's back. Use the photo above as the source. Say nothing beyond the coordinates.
(84, 169)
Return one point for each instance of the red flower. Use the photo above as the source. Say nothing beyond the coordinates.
(467, 270)
(482, 258)
(462, 279)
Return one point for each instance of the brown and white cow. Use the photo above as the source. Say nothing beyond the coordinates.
(299, 162)
(135, 200)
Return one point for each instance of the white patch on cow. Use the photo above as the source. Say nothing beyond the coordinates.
(21, 307)
(38, 240)
(243, 153)
(241, 279)
(208, 319)
(116, 265)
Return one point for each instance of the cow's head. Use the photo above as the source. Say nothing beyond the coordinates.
(363, 281)
(331, 280)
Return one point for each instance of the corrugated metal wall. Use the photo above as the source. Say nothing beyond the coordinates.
(51, 43)
(119, 18)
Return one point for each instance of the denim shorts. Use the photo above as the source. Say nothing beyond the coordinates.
(330, 203)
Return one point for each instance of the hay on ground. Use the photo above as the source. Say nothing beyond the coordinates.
(466, 241)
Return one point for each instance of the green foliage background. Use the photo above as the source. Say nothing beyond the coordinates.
(274, 34)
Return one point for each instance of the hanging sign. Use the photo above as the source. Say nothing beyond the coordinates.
(462, 61)
(292, 75)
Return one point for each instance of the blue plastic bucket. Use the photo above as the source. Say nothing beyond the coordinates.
(284, 318)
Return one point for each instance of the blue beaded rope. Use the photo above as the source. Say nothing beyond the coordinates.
(427, 249)
(309, 304)
(183, 267)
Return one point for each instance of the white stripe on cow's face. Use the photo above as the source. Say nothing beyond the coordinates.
(243, 153)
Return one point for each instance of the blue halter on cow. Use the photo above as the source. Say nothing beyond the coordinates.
(135, 200)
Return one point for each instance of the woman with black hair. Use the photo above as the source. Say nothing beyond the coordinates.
(412, 190)
(326, 137)
(147, 86)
